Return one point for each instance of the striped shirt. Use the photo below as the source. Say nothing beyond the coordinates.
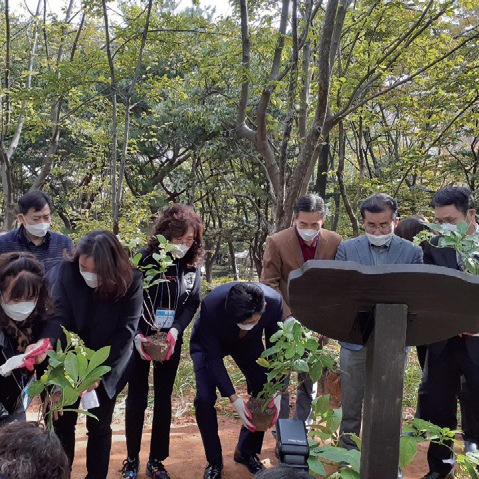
(49, 251)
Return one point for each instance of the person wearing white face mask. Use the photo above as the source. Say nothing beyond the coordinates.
(378, 246)
(232, 321)
(34, 235)
(98, 295)
(286, 251)
(25, 322)
(170, 306)
(451, 368)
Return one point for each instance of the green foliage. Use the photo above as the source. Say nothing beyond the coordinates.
(72, 371)
(467, 246)
(295, 349)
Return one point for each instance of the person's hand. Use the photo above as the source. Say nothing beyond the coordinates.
(276, 403)
(139, 341)
(289, 320)
(50, 402)
(171, 338)
(244, 414)
(36, 353)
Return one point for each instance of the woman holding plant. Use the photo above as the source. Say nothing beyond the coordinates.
(171, 298)
(98, 296)
(24, 320)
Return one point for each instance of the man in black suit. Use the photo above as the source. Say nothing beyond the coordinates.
(232, 320)
(447, 361)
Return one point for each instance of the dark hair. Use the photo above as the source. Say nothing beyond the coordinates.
(282, 472)
(244, 300)
(28, 451)
(113, 267)
(310, 204)
(378, 203)
(409, 227)
(457, 196)
(174, 223)
(26, 275)
(33, 199)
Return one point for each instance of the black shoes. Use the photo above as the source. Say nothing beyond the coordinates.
(437, 475)
(252, 463)
(213, 471)
(130, 468)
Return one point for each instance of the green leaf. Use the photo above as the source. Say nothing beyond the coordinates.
(82, 366)
(315, 466)
(35, 388)
(136, 259)
(407, 450)
(315, 371)
(97, 373)
(462, 228)
(71, 366)
(99, 357)
(301, 366)
(263, 362)
(69, 396)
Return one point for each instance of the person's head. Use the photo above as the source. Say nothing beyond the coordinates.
(309, 215)
(409, 227)
(454, 204)
(34, 212)
(181, 226)
(245, 304)
(282, 472)
(23, 287)
(28, 451)
(104, 264)
(379, 217)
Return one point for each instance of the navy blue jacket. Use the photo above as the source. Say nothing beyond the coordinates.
(99, 322)
(215, 336)
(49, 251)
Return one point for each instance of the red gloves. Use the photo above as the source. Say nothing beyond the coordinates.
(30, 357)
(171, 338)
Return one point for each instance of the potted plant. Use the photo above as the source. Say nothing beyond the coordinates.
(153, 274)
(69, 374)
(295, 349)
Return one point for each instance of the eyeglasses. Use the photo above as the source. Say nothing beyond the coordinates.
(186, 242)
(382, 228)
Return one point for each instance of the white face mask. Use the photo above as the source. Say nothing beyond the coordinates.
(19, 311)
(180, 251)
(379, 240)
(307, 235)
(38, 229)
(91, 279)
(246, 327)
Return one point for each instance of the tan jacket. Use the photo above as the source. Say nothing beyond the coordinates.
(283, 254)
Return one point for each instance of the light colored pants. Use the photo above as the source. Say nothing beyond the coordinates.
(305, 394)
(353, 379)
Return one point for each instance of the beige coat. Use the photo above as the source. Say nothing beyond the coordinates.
(283, 255)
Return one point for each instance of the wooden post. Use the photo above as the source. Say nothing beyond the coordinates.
(383, 393)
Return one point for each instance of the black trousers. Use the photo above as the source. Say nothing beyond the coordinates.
(164, 374)
(438, 395)
(99, 435)
(249, 443)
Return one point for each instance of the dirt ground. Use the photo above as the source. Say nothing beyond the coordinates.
(187, 459)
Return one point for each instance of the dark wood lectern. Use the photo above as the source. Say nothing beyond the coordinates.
(386, 308)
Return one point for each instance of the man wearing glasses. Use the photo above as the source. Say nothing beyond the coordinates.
(378, 246)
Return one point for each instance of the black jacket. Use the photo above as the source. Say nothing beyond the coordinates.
(181, 292)
(215, 335)
(99, 322)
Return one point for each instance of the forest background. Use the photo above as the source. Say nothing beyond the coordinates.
(118, 108)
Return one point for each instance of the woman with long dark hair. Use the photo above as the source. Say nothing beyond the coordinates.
(175, 301)
(24, 320)
(98, 295)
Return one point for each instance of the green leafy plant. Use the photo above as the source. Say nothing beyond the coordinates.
(295, 349)
(70, 371)
(467, 246)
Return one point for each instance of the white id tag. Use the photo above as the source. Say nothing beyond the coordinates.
(164, 318)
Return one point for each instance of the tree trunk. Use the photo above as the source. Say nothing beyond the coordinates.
(234, 266)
